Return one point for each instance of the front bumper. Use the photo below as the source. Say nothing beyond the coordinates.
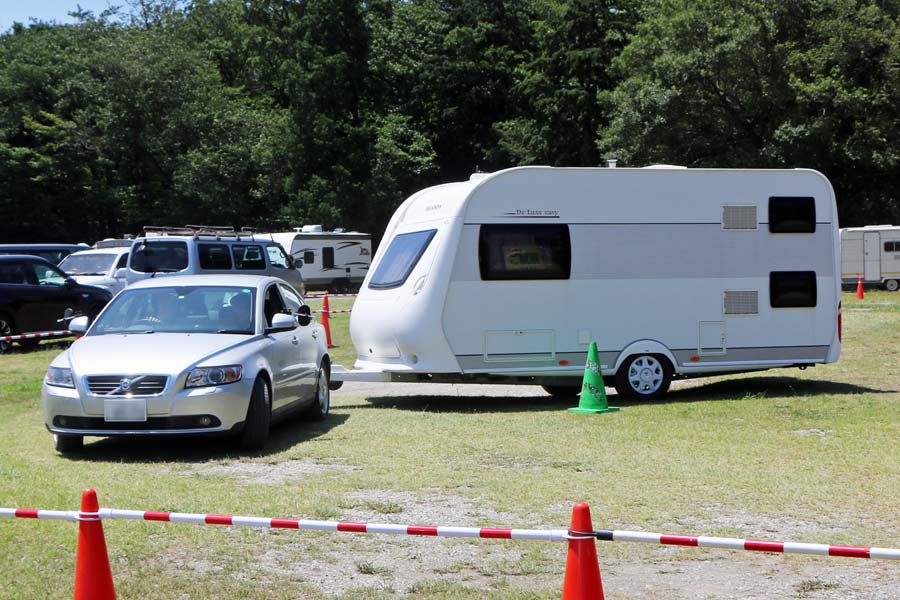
(205, 410)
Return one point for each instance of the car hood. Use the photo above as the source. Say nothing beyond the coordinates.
(160, 353)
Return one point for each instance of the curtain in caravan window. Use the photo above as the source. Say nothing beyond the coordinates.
(400, 259)
(524, 252)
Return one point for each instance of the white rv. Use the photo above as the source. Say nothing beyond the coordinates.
(335, 260)
(674, 272)
(873, 253)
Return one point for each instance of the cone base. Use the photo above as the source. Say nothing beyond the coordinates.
(590, 411)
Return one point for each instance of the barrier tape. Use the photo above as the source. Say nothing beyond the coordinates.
(331, 312)
(610, 535)
(553, 535)
(321, 296)
(36, 335)
(558, 535)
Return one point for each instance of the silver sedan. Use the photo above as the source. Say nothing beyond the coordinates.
(190, 355)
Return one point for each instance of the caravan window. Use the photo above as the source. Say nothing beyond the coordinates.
(892, 246)
(401, 257)
(792, 289)
(328, 258)
(792, 214)
(524, 252)
(308, 257)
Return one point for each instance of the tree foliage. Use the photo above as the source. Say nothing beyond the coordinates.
(275, 113)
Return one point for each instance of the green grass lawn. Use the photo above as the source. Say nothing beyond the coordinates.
(807, 456)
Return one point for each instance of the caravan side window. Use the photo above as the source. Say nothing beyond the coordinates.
(892, 246)
(792, 214)
(328, 258)
(400, 259)
(792, 289)
(524, 252)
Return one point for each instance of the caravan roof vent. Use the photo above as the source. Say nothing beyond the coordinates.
(311, 229)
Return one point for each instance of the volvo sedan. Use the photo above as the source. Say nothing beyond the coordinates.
(190, 355)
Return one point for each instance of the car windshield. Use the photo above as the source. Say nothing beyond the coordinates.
(88, 264)
(180, 309)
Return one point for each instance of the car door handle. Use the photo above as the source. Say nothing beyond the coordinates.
(315, 334)
(294, 340)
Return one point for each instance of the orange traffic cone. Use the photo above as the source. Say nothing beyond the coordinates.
(325, 316)
(859, 290)
(93, 577)
(582, 580)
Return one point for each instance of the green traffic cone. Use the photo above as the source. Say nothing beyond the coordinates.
(593, 392)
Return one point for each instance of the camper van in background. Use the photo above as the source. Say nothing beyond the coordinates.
(873, 253)
(334, 260)
(674, 272)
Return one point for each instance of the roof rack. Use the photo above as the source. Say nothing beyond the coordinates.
(197, 231)
(114, 243)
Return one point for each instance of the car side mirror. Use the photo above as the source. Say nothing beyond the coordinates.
(121, 273)
(78, 324)
(282, 322)
(69, 283)
(304, 315)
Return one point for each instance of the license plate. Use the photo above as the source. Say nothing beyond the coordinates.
(124, 410)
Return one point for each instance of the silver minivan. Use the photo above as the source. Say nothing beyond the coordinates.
(201, 252)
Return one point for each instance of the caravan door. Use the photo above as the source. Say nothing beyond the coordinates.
(872, 252)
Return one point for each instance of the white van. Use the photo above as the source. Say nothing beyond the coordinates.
(674, 272)
(334, 260)
(873, 253)
(208, 251)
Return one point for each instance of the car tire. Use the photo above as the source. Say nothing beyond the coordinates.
(259, 417)
(562, 392)
(891, 285)
(67, 444)
(318, 411)
(644, 377)
(7, 327)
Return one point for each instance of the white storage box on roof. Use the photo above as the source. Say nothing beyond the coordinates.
(673, 272)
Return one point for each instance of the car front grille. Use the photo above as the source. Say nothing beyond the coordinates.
(137, 385)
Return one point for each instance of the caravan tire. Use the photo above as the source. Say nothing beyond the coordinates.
(891, 285)
(644, 377)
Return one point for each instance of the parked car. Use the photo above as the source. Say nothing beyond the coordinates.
(190, 355)
(52, 252)
(35, 295)
(101, 267)
(208, 251)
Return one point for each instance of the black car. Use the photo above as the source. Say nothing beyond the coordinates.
(34, 296)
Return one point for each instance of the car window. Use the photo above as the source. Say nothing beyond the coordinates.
(277, 256)
(273, 303)
(163, 256)
(248, 257)
(47, 275)
(123, 261)
(87, 264)
(13, 273)
(291, 298)
(214, 256)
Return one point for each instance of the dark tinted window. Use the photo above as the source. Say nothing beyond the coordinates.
(401, 257)
(792, 289)
(308, 257)
(328, 258)
(159, 257)
(524, 252)
(892, 246)
(792, 214)
(248, 257)
(13, 273)
(214, 256)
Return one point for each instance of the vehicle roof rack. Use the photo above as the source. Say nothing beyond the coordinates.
(197, 231)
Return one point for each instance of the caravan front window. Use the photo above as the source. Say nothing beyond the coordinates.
(401, 257)
(524, 252)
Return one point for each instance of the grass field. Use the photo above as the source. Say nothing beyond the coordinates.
(807, 456)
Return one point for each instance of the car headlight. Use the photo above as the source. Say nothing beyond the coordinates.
(60, 377)
(203, 376)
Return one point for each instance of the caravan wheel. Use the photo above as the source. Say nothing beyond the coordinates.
(644, 376)
(891, 285)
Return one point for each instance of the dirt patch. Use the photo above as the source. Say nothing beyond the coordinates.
(267, 473)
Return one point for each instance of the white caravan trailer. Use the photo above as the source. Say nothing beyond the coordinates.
(335, 260)
(873, 253)
(674, 272)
